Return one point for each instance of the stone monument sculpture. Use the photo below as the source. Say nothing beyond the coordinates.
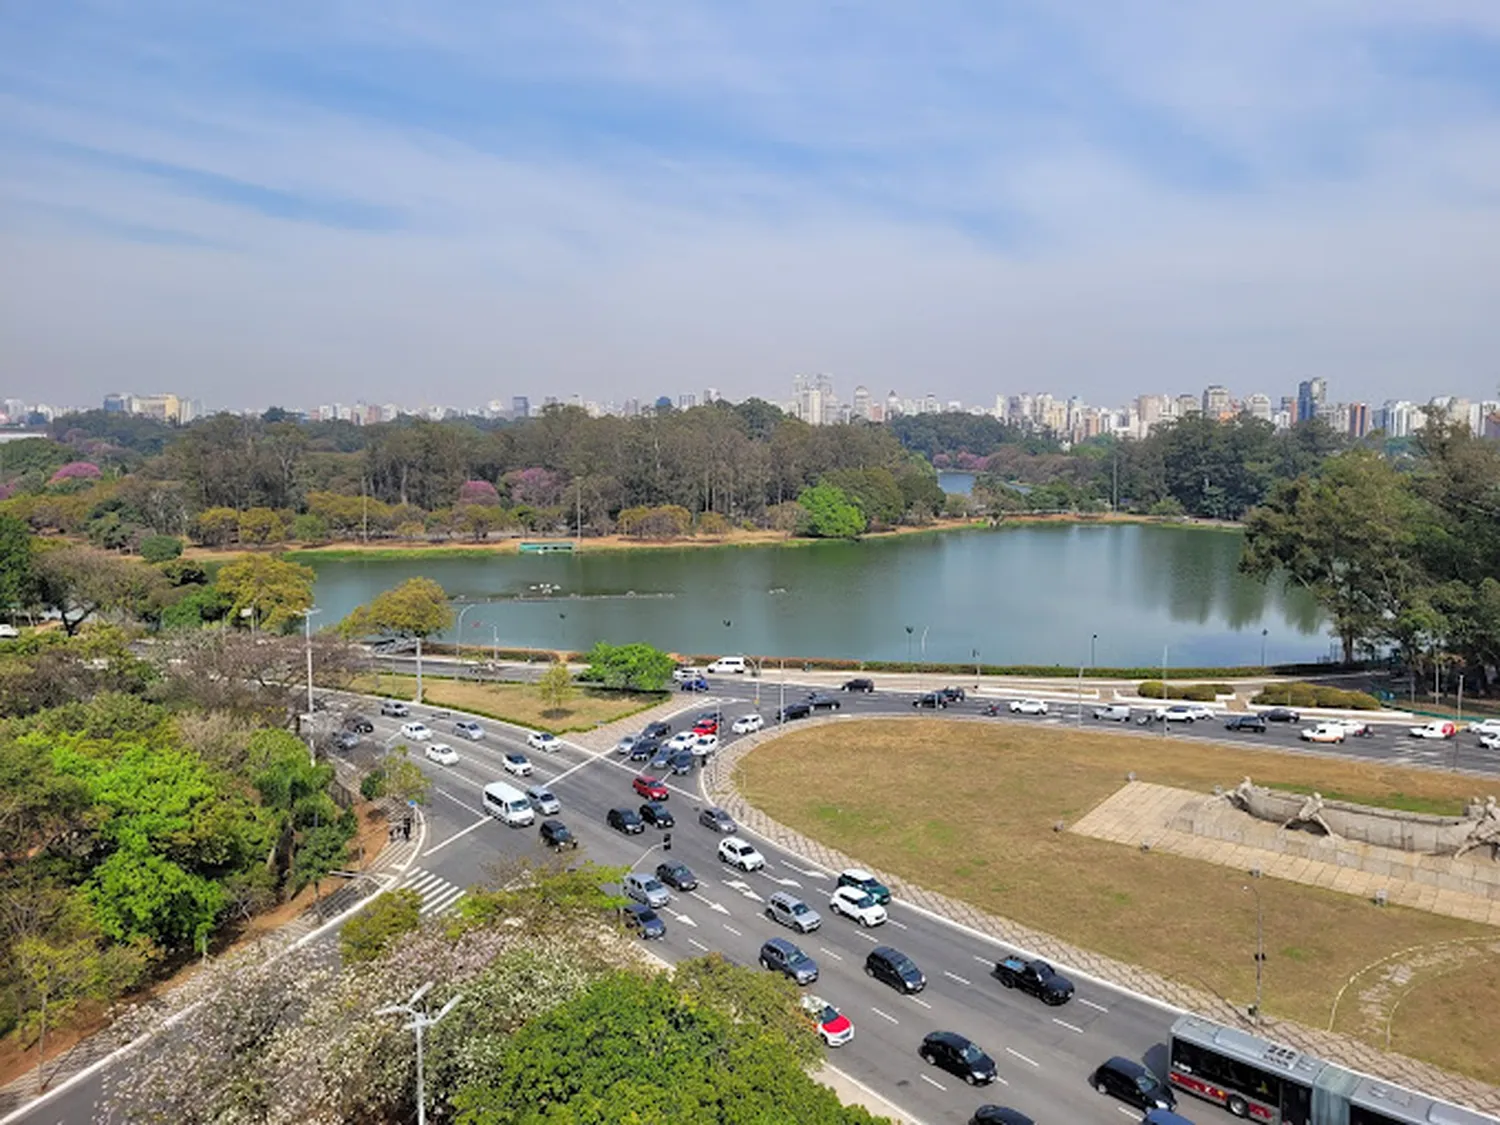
(1486, 831)
(1310, 812)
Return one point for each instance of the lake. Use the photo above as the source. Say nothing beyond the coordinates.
(1032, 594)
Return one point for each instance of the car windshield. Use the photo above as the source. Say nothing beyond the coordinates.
(906, 966)
(797, 957)
(828, 1014)
(860, 899)
(799, 908)
(651, 885)
(971, 1053)
(1146, 1083)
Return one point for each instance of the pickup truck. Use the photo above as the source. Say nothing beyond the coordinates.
(1035, 977)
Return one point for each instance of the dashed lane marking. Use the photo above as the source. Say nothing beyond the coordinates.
(831, 953)
(1091, 1004)
(931, 1082)
(697, 944)
(1020, 1056)
(732, 930)
(898, 925)
(955, 976)
(1069, 1026)
(884, 1015)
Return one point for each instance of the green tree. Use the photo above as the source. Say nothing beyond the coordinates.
(324, 850)
(371, 932)
(874, 491)
(217, 526)
(1346, 535)
(555, 686)
(273, 591)
(17, 578)
(160, 548)
(139, 894)
(634, 667)
(402, 778)
(57, 975)
(79, 582)
(830, 514)
(418, 607)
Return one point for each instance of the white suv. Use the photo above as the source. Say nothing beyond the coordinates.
(682, 675)
(853, 902)
(417, 732)
(740, 853)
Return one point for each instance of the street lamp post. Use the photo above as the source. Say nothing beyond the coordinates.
(420, 1021)
(1263, 633)
(1093, 644)
(495, 643)
(1260, 943)
(458, 643)
(307, 617)
(561, 635)
(719, 699)
(1164, 723)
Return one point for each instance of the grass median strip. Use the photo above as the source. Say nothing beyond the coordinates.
(968, 809)
(514, 703)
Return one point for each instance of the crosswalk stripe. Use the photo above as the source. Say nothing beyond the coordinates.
(442, 902)
(423, 882)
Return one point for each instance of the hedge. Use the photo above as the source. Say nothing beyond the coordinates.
(1193, 693)
(1316, 695)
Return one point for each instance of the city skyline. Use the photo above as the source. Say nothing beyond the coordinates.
(251, 201)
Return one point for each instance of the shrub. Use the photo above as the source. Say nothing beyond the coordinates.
(1197, 693)
(160, 548)
(1222, 689)
(712, 523)
(372, 785)
(309, 528)
(1193, 693)
(1152, 689)
(370, 932)
(1316, 695)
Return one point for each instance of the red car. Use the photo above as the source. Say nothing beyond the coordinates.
(706, 726)
(650, 788)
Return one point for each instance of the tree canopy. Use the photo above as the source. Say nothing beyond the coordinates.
(419, 607)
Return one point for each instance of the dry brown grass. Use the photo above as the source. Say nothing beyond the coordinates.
(517, 703)
(968, 809)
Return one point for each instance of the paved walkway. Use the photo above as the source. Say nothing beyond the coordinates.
(718, 784)
(1142, 813)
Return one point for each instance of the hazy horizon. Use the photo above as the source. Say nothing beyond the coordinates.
(453, 202)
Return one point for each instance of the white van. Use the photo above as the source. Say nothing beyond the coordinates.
(507, 803)
(728, 665)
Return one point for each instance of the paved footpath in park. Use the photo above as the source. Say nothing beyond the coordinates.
(718, 782)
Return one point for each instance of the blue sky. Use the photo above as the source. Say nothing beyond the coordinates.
(458, 201)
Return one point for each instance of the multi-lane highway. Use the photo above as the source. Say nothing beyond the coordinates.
(1044, 1054)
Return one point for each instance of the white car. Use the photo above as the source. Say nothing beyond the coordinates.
(832, 1024)
(542, 740)
(517, 763)
(740, 853)
(1490, 741)
(9, 632)
(1113, 713)
(853, 902)
(1438, 728)
(1485, 726)
(748, 724)
(683, 740)
(706, 745)
(728, 665)
(1324, 732)
(469, 729)
(1355, 728)
(1199, 711)
(681, 675)
(1028, 707)
(442, 754)
(417, 732)
(1177, 713)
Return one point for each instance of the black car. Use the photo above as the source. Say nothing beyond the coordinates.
(859, 683)
(1035, 977)
(1133, 1084)
(999, 1115)
(555, 835)
(930, 699)
(655, 731)
(644, 750)
(1256, 723)
(656, 813)
(959, 1056)
(1281, 715)
(627, 821)
(822, 701)
(359, 724)
(661, 761)
(683, 762)
(892, 967)
(677, 875)
(643, 920)
(953, 694)
(793, 711)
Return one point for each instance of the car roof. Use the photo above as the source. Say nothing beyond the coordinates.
(950, 1037)
(856, 873)
(783, 944)
(1126, 1066)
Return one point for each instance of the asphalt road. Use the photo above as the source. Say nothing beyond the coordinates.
(1044, 1054)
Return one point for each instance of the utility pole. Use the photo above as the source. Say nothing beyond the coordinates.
(419, 670)
(307, 617)
(1260, 945)
(420, 1021)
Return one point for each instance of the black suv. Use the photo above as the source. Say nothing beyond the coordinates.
(627, 821)
(1133, 1084)
(654, 812)
(359, 724)
(953, 694)
(822, 701)
(932, 699)
(644, 750)
(677, 875)
(892, 967)
(656, 730)
(555, 835)
(1246, 722)
(859, 683)
(959, 1056)
(793, 711)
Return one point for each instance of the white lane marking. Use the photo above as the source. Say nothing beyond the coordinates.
(1070, 1027)
(871, 938)
(732, 930)
(785, 882)
(480, 823)
(743, 888)
(1091, 1004)
(983, 960)
(460, 803)
(1130, 1113)
(809, 874)
(884, 1016)
(710, 904)
(924, 1003)
(683, 918)
(831, 953)
(930, 1082)
(955, 976)
(1020, 1056)
(898, 925)
(695, 942)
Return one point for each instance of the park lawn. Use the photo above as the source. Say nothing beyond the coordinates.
(585, 709)
(968, 809)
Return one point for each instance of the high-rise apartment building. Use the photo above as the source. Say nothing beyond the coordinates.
(1359, 419)
(520, 406)
(687, 401)
(1188, 404)
(813, 400)
(1311, 394)
(861, 405)
(1216, 402)
(1259, 406)
(117, 404)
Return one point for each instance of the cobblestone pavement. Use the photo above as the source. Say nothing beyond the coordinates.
(719, 787)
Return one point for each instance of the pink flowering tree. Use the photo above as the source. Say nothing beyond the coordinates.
(76, 471)
(480, 492)
(536, 487)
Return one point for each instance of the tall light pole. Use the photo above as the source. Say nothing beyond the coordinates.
(909, 630)
(924, 655)
(458, 644)
(719, 699)
(1093, 644)
(1164, 723)
(420, 1021)
(307, 616)
(1260, 943)
(561, 618)
(1263, 633)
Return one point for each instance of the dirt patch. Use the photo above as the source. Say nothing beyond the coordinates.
(969, 810)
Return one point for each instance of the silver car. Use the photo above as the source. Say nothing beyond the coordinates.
(543, 800)
(648, 889)
(791, 911)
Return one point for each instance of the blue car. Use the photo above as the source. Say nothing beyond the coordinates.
(700, 684)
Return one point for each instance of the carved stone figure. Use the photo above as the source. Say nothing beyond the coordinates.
(1486, 831)
(1240, 795)
(1310, 812)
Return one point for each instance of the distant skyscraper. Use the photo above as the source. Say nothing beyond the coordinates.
(1188, 404)
(1259, 406)
(1310, 395)
(117, 404)
(814, 401)
(520, 407)
(632, 407)
(711, 395)
(1216, 402)
(861, 405)
(1359, 419)
(892, 406)
(687, 401)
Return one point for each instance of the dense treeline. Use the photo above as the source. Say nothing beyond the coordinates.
(1402, 555)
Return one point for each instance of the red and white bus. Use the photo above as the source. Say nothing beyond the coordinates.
(1267, 1082)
